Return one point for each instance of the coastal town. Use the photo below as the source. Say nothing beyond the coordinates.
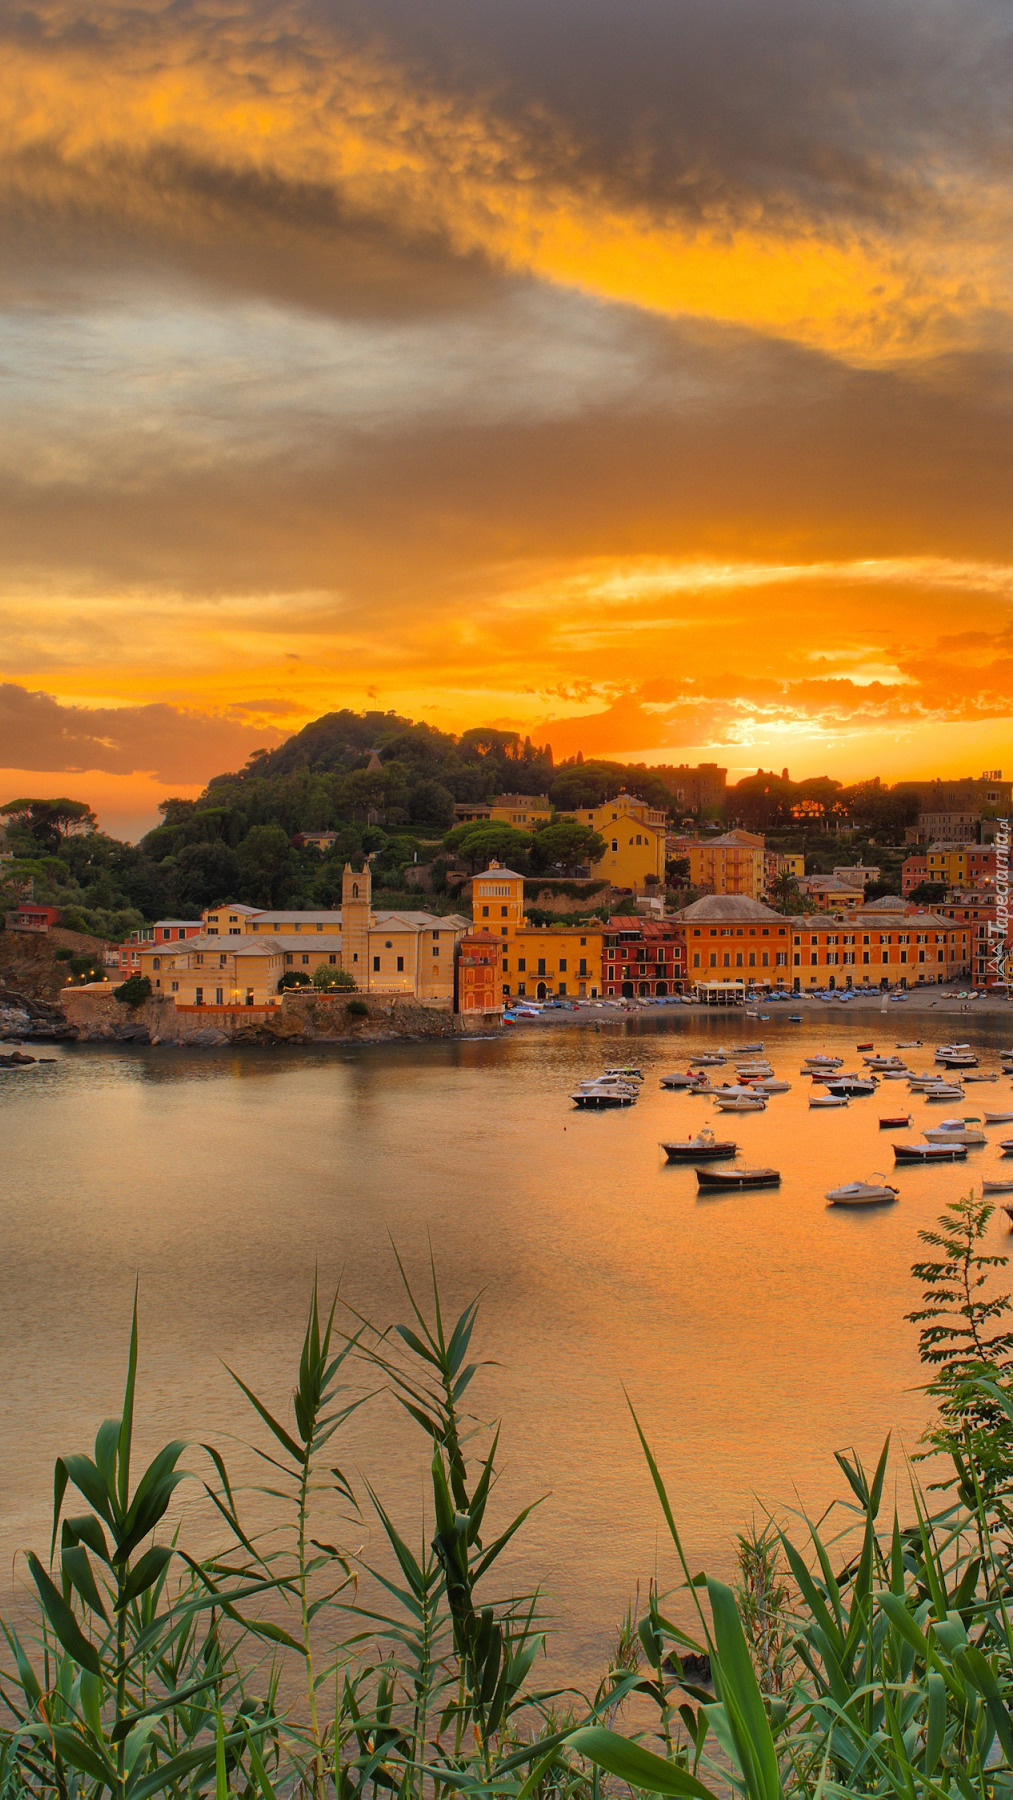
(754, 923)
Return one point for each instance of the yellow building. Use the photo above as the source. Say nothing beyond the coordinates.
(734, 863)
(635, 837)
(782, 862)
(524, 811)
(246, 951)
(948, 863)
(537, 962)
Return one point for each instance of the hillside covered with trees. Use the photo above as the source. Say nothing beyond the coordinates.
(386, 787)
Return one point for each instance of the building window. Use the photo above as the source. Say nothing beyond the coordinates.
(541, 965)
(198, 997)
(218, 996)
(376, 965)
(521, 964)
(175, 986)
(615, 843)
(305, 958)
(289, 958)
(562, 965)
(502, 912)
(332, 958)
(400, 965)
(485, 912)
(156, 962)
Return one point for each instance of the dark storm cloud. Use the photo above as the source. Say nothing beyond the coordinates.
(175, 745)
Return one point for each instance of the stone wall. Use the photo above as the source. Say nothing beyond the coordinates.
(302, 1018)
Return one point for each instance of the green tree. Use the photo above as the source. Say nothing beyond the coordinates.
(134, 991)
(484, 839)
(430, 803)
(328, 979)
(264, 860)
(564, 847)
(928, 893)
(48, 822)
(959, 1342)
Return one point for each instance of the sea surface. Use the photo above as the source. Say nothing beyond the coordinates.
(754, 1333)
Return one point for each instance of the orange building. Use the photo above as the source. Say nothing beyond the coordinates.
(477, 967)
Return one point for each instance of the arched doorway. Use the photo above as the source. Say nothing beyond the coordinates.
(644, 989)
(662, 987)
(832, 983)
(542, 991)
(627, 990)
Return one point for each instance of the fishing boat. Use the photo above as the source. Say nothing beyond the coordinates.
(740, 1103)
(999, 1118)
(956, 1131)
(895, 1122)
(678, 1080)
(737, 1178)
(705, 1147)
(863, 1193)
(829, 1100)
(998, 1187)
(929, 1153)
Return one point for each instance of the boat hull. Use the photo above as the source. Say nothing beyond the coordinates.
(906, 1153)
(730, 1180)
(694, 1153)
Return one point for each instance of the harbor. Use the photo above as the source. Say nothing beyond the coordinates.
(598, 1258)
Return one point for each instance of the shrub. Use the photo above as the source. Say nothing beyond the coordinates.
(295, 978)
(357, 1009)
(134, 991)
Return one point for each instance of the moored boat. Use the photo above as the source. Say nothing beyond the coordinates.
(997, 1187)
(956, 1131)
(945, 1091)
(895, 1122)
(740, 1103)
(678, 1080)
(828, 1100)
(737, 1178)
(863, 1193)
(705, 1147)
(929, 1153)
(998, 1118)
(594, 1099)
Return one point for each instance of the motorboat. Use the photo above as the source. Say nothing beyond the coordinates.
(824, 1062)
(863, 1193)
(598, 1095)
(929, 1153)
(881, 1063)
(970, 1075)
(737, 1178)
(705, 1147)
(709, 1059)
(829, 1100)
(865, 1046)
(740, 1103)
(999, 1118)
(1006, 1146)
(956, 1131)
(895, 1122)
(754, 1068)
(611, 1078)
(945, 1091)
(910, 1044)
(851, 1085)
(770, 1084)
(956, 1056)
(794, 1018)
(625, 1074)
(679, 1080)
(739, 1049)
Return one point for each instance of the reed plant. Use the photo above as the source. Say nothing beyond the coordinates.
(869, 1652)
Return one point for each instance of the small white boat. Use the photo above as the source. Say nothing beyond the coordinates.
(754, 1068)
(823, 1062)
(739, 1049)
(998, 1187)
(625, 1074)
(595, 1098)
(944, 1092)
(999, 1118)
(678, 1080)
(910, 1044)
(970, 1075)
(956, 1131)
(771, 1084)
(710, 1059)
(851, 1084)
(740, 1103)
(1006, 1146)
(829, 1100)
(880, 1063)
(863, 1193)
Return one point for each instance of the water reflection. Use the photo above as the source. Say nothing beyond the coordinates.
(755, 1332)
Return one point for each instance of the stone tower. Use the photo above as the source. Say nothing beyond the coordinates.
(356, 901)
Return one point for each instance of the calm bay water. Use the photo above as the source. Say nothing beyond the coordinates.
(754, 1333)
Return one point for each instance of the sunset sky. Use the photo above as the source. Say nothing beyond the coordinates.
(637, 373)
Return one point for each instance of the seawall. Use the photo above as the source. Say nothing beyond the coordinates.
(300, 1019)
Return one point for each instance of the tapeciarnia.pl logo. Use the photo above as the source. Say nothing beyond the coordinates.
(999, 929)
